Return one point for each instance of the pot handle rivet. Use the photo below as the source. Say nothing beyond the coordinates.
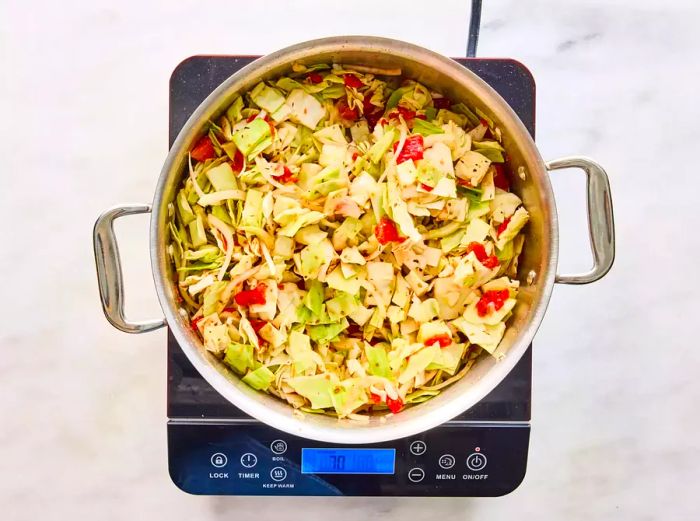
(109, 270)
(601, 224)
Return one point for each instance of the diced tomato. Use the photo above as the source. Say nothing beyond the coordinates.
(489, 261)
(493, 299)
(286, 176)
(314, 77)
(502, 227)
(203, 149)
(441, 103)
(407, 114)
(412, 149)
(237, 163)
(251, 118)
(375, 398)
(257, 324)
(371, 112)
(251, 297)
(346, 112)
(483, 122)
(352, 81)
(443, 340)
(426, 187)
(500, 179)
(386, 231)
(394, 405)
(478, 250)
(421, 116)
(195, 322)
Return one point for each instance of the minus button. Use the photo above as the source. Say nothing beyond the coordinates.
(416, 474)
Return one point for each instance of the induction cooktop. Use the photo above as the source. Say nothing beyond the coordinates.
(214, 448)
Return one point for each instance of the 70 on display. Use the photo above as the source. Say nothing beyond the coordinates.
(347, 461)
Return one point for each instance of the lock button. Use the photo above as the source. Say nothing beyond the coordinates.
(219, 460)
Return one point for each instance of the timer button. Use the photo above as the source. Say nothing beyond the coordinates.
(249, 460)
(416, 474)
(476, 461)
(418, 448)
(278, 446)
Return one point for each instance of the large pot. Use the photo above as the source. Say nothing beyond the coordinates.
(537, 268)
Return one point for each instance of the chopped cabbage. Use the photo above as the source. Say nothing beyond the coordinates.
(345, 265)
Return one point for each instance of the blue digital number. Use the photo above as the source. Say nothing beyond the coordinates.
(348, 461)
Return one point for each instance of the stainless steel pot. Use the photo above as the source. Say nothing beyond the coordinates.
(538, 261)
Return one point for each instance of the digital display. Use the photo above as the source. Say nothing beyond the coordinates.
(348, 461)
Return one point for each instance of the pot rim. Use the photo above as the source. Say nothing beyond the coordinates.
(248, 400)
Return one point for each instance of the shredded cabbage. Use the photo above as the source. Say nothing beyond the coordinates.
(348, 249)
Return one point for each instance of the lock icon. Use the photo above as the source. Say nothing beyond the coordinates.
(219, 460)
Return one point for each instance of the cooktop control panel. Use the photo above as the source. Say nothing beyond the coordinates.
(250, 459)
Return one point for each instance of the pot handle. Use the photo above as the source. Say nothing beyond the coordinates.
(109, 270)
(601, 225)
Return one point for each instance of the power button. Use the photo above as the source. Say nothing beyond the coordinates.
(476, 461)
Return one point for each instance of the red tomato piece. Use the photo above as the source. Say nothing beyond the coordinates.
(443, 340)
(502, 227)
(251, 118)
(478, 250)
(375, 398)
(412, 149)
(464, 182)
(195, 322)
(490, 262)
(441, 103)
(352, 81)
(346, 112)
(407, 114)
(203, 149)
(386, 231)
(500, 179)
(426, 187)
(237, 163)
(493, 299)
(257, 324)
(251, 297)
(286, 176)
(394, 405)
(371, 112)
(314, 77)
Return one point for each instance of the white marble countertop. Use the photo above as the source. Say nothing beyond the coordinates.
(616, 388)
